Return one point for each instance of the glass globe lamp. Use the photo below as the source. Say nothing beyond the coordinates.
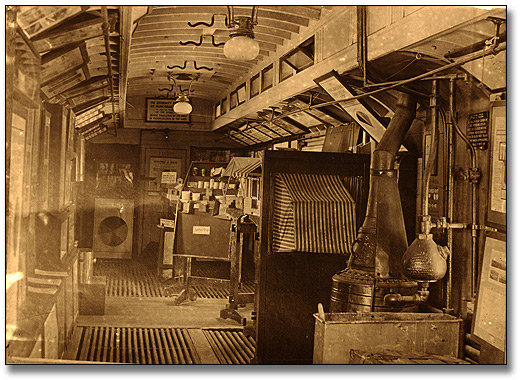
(182, 105)
(241, 48)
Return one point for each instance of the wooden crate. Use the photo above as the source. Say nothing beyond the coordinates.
(336, 334)
(399, 357)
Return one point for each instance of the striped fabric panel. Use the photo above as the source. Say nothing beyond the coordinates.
(313, 188)
(354, 186)
(324, 213)
(283, 235)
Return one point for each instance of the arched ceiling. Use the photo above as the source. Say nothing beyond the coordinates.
(160, 41)
(93, 58)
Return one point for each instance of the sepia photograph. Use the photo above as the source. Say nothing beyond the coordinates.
(256, 185)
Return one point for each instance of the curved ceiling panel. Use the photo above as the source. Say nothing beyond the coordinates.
(189, 39)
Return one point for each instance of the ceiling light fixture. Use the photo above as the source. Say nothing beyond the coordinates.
(241, 46)
(182, 105)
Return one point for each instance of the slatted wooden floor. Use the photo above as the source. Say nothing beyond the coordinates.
(133, 279)
(231, 346)
(143, 345)
(136, 345)
(129, 279)
(142, 325)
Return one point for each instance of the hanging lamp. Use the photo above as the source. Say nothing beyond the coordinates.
(182, 105)
(241, 46)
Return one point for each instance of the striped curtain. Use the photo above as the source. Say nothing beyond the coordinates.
(283, 235)
(313, 213)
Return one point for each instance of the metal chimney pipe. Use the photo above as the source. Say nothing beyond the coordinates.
(384, 195)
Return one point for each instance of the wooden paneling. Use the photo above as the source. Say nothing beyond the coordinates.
(294, 285)
(57, 156)
(340, 33)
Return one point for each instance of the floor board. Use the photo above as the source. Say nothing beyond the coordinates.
(159, 312)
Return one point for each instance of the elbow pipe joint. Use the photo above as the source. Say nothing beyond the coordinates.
(399, 125)
(397, 299)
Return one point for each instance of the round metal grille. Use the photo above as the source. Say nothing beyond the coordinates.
(113, 231)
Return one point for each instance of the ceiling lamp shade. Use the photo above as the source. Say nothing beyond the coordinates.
(182, 105)
(241, 46)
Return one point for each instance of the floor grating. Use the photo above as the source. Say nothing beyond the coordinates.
(137, 345)
(222, 292)
(231, 346)
(131, 279)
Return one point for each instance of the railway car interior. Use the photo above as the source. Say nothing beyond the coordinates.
(256, 184)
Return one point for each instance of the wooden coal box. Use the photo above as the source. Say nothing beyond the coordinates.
(336, 334)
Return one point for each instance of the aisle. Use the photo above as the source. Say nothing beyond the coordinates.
(142, 324)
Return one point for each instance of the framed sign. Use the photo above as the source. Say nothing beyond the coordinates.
(489, 321)
(498, 166)
(160, 110)
(158, 169)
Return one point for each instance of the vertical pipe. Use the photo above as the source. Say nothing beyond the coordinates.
(451, 184)
(434, 103)
(474, 237)
(81, 160)
(475, 175)
(362, 50)
(418, 199)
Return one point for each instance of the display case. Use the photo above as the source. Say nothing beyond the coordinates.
(246, 171)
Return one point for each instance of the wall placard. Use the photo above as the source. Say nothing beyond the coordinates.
(169, 178)
(160, 165)
(489, 321)
(498, 166)
(160, 110)
(477, 128)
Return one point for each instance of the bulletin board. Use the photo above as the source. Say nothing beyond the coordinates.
(159, 160)
(489, 320)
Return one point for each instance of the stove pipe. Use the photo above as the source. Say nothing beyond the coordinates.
(374, 268)
(385, 235)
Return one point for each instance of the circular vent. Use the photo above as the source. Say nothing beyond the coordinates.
(113, 231)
